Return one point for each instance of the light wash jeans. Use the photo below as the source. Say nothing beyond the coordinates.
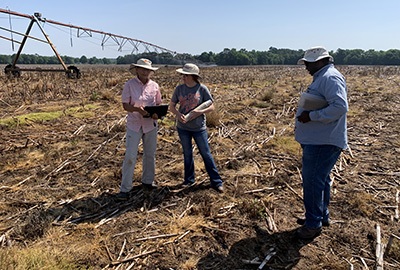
(149, 157)
(200, 137)
(318, 161)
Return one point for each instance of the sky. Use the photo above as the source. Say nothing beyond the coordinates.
(205, 25)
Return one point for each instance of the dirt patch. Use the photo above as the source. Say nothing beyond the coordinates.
(59, 177)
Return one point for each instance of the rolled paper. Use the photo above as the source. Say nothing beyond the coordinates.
(202, 106)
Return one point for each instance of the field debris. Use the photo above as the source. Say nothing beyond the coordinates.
(61, 158)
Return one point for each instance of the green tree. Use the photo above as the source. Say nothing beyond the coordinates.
(83, 59)
(392, 57)
(206, 57)
(339, 56)
(68, 60)
(372, 57)
(5, 59)
(106, 61)
(354, 57)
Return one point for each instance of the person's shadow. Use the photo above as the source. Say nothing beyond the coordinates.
(284, 248)
(85, 209)
(107, 206)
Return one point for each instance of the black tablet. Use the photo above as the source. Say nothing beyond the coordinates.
(160, 110)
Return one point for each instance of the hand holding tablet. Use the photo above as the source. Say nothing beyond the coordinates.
(160, 110)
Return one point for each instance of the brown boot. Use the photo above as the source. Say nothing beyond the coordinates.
(301, 220)
(307, 233)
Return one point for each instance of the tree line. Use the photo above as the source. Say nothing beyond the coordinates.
(273, 56)
(35, 59)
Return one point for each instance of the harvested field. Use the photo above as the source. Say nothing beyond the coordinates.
(62, 147)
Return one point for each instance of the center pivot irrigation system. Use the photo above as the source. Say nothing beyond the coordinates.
(72, 71)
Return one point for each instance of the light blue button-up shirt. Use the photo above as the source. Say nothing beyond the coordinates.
(328, 125)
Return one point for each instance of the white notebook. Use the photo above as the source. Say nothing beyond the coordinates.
(312, 102)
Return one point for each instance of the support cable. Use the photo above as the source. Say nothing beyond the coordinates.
(70, 36)
(28, 36)
(12, 38)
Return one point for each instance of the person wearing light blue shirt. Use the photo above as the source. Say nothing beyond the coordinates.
(321, 129)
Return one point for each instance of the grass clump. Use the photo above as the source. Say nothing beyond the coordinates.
(166, 121)
(31, 117)
(363, 203)
(394, 251)
(285, 144)
(35, 258)
(268, 95)
(254, 209)
(260, 104)
(80, 112)
(213, 118)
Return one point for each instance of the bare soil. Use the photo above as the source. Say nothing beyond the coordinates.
(59, 177)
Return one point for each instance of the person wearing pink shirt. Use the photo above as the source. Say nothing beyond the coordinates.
(137, 93)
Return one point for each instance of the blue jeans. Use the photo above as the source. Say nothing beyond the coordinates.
(200, 137)
(318, 161)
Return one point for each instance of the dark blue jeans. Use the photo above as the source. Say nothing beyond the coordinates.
(318, 161)
(200, 137)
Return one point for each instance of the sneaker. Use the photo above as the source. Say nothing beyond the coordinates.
(220, 189)
(123, 196)
(149, 186)
(187, 184)
(302, 221)
(308, 233)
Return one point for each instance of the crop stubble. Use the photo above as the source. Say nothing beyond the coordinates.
(58, 177)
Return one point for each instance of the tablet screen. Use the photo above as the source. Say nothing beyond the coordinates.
(160, 110)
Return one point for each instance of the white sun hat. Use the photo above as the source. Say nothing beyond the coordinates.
(189, 69)
(143, 63)
(314, 54)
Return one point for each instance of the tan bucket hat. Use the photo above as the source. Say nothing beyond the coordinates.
(189, 69)
(143, 63)
(314, 54)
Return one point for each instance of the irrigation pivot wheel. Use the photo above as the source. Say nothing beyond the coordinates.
(14, 71)
(73, 72)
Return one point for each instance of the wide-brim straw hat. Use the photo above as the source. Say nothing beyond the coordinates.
(315, 54)
(143, 63)
(189, 69)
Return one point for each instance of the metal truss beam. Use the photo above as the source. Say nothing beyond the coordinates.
(119, 40)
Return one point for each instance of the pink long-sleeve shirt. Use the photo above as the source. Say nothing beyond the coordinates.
(138, 94)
